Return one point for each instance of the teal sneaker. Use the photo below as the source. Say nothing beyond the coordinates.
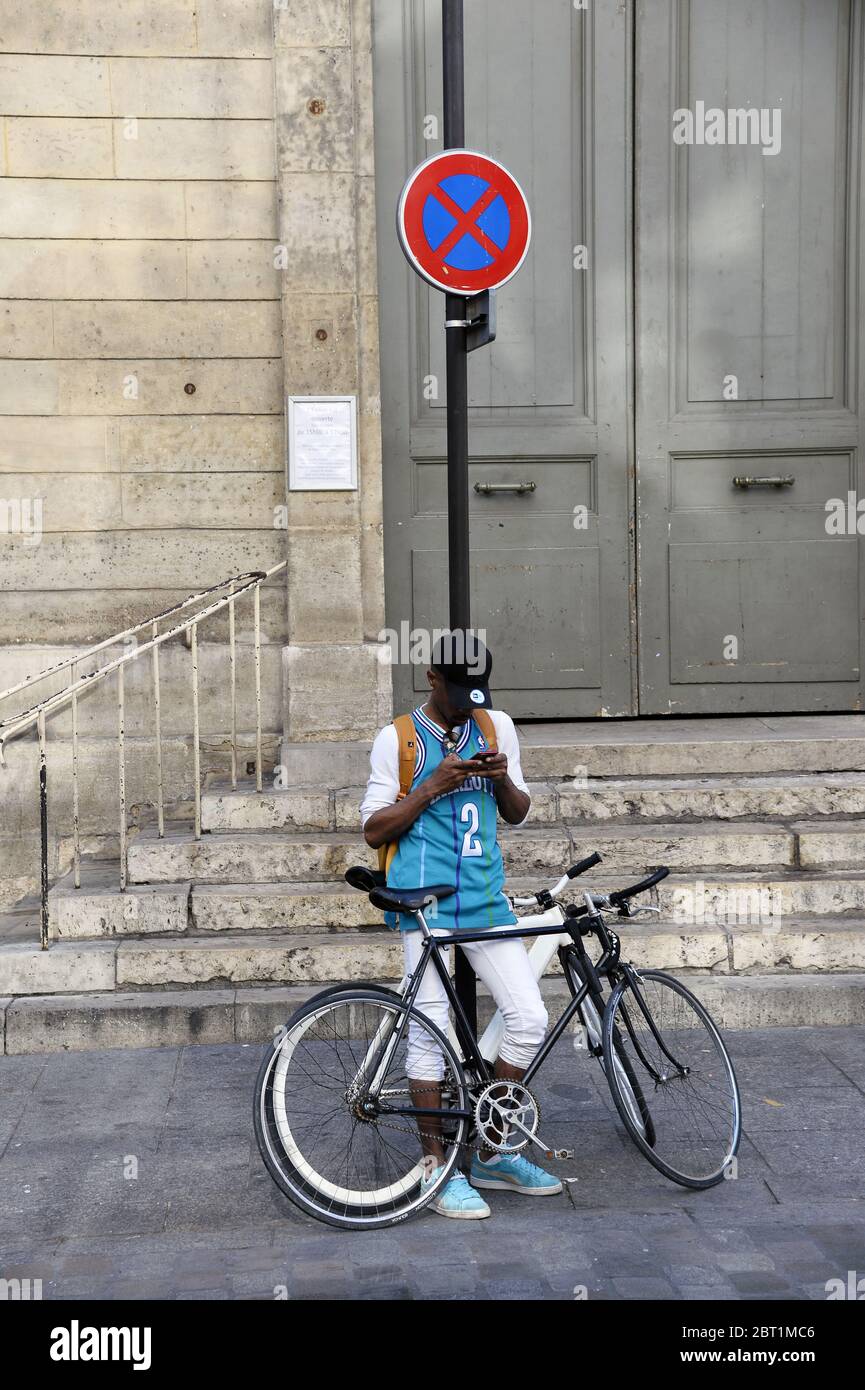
(515, 1173)
(457, 1198)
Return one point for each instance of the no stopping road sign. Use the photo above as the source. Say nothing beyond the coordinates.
(463, 222)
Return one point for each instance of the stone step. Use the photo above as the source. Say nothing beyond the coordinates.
(176, 1018)
(635, 748)
(776, 797)
(98, 909)
(836, 845)
(262, 857)
(351, 954)
(694, 747)
(759, 897)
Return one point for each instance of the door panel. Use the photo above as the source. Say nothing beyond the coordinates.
(745, 268)
(546, 89)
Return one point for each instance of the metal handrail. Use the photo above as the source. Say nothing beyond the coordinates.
(37, 715)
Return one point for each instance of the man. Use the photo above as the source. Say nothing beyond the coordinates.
(446, 832)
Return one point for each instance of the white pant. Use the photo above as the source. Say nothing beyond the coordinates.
(504, 967)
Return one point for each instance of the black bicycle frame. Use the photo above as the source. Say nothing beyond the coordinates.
(633, 980)
(433, 948)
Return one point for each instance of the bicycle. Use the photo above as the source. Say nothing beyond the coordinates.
(334, 1114)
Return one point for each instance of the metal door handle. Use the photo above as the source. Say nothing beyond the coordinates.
(487, 488)
(787, 480)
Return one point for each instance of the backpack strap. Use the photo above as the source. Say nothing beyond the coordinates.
(484, 722)
(407, 737)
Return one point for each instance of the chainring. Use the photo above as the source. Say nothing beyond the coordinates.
(496, 1108)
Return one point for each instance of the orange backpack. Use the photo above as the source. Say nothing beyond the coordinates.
(407, 735)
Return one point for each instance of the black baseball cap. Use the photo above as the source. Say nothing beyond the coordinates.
(465, 664)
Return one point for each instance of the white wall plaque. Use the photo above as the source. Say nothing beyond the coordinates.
(322, 443)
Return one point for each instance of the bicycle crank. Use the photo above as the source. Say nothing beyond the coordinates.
(507, 1117)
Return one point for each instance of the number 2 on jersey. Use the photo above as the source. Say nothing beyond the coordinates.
(472, 847)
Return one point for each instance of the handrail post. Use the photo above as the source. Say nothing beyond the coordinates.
(196, 758)
(43, 830)
(232, 660)
(121, 771)
(76, 808)
(258, 687)
(157, 708)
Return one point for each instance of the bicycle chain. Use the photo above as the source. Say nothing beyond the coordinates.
(404, 1129)
(475, 1145)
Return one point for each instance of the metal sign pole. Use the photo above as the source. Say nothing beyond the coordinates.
(453, 67)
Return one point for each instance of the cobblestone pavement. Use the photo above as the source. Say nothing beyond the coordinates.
(202, 1218)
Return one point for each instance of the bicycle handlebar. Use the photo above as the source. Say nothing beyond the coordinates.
(547, 893)
(622, 894)
(582, 865)
(614, 899)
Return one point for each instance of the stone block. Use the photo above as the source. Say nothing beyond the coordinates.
(41, 84)
(202, 444)
(335, 690)
(329, 609)
(192, 88)
(96, 269)
(316, 366)
(144, 386)
(316, 114)
(187, 149)
(93, 329)
(88, 208)
(103, 911)
(312, 23)
(61, 969)
(238, 209)
(232, 270)
(317, 224)
(59, 148)
(77, 1023)
(43, 444)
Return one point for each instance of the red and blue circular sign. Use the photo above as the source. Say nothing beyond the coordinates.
(463, 222)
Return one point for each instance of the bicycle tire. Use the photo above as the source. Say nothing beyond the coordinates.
(286, 1174)
(639, 1097)
(650, 1151)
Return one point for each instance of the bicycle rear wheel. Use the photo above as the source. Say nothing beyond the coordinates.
(679, 1059)
(330, 1131)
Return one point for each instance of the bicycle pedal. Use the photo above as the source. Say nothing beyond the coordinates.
(560, 1153)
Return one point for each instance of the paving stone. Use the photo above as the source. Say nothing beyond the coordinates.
(211, 1227)
(644, 1288)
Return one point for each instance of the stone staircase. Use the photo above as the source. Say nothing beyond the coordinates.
(760, 820)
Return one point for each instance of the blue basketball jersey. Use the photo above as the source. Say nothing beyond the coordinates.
(453, 841)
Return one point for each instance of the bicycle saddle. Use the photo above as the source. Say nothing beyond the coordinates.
(409, 899)
(359, 876)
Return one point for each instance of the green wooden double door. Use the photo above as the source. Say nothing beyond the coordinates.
(688, 315)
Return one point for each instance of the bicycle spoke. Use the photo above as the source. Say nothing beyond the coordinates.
(330, 1145)
(695, 1115)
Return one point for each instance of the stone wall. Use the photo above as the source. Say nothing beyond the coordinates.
(336, 683)
(138, 223)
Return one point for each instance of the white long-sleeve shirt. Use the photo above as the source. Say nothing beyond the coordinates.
(382, 789)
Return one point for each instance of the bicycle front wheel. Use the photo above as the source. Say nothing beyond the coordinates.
(678, 1057)
(328, 1106)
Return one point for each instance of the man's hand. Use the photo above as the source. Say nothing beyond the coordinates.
(393, 821)
(496, 767)
(512, 803)
(450, 774)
